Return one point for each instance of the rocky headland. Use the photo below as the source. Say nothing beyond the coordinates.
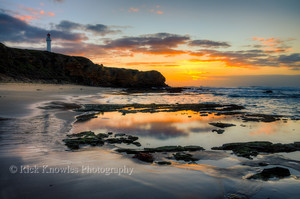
(22, 65)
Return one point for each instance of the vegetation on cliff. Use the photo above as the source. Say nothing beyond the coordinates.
(42, 66)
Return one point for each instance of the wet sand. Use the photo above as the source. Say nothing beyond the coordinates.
(31, 142)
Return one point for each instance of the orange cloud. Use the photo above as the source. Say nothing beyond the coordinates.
(133, 10)
(31, 14)
(26, 18)
(273, 44)
(159, 12)
(51, 14)
(152, 64)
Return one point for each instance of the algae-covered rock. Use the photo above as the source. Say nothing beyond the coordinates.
(260, 118)
(276, 172)
(137, 144)
(120, 134)
(90, 138)
(174, 149)
(193, 148)
(81, 134)
(248, 149)
(85, 117)
(185, 157)
(152, 108)
(102, 135)
(74, 143)
(128, 151)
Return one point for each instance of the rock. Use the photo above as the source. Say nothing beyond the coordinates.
(236, 196)
(193, 148)
(120, 134)
(137, 144)
(165, 149)
(185, 157)
(153, 108)
(133, 138)
(114, 140)
(128, 151)
(276, 172)
(102, 135)
(74, 143)
(60, 105)
(145, 157)
(161, 149)
(268, 91)
(90, 138)
(248, 149)
(82, 134)
(85, 117)
(3, 118)
(174, 149)
(219, 131)
(126, 140)
(263, 164)
(164, 163)
(48, 67)
(260, 118)
(221, 125)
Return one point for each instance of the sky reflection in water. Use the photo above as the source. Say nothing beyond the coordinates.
(189, 128)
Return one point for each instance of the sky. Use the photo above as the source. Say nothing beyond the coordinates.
(191, 42)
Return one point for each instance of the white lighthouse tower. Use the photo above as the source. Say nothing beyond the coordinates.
(48, 42)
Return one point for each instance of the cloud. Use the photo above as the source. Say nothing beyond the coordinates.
(27, 14)
(73, 38)
(68, 25)
(272, 44)
(58, 1)
(101, 29)
(50, 13)
(208, 44)
(133, 10)
(81, 49)
(98, 29)
(16, 30)
(249, 58)
(289, 59)
(159, 43)
(152, 64)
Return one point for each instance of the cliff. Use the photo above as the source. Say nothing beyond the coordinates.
(42, 66)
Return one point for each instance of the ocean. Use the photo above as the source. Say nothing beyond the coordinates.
(33, 130)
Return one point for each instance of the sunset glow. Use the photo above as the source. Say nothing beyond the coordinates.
(189, 45)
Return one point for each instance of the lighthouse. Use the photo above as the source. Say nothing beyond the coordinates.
(48, 39)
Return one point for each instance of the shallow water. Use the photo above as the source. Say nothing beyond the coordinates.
(36, 140)
(189, 128)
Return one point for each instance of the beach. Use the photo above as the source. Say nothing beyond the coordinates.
(36, 121)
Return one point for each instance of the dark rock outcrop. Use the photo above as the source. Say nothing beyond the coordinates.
(146, 157)
(276, 172)
(47, 67)
(248, 149)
